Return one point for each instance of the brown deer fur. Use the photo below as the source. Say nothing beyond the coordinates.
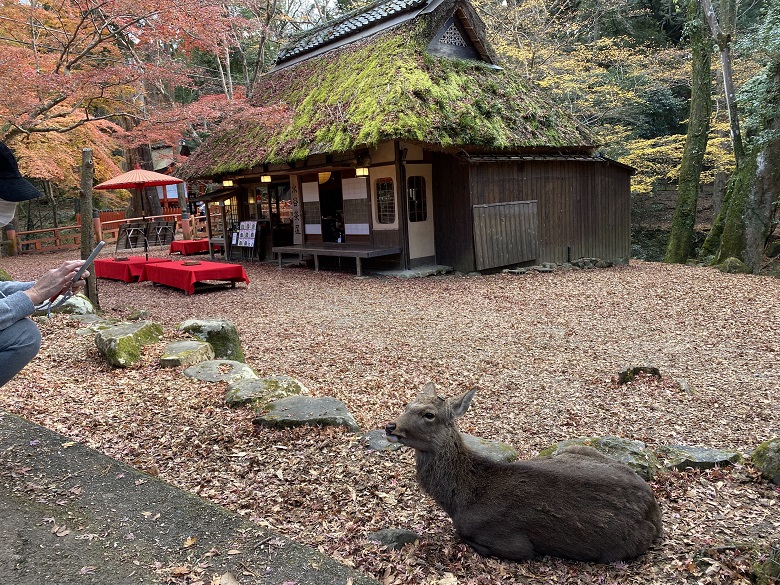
(578, 505)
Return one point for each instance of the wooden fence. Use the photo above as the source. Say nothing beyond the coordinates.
(69, 237)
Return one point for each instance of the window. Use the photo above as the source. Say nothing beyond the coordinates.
(418, 202)
(385, 201)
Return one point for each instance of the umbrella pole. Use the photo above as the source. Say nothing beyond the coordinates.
(143, 213)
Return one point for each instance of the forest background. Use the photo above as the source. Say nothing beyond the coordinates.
(684, 91)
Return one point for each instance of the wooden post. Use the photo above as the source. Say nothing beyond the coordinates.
(13, 243)
(97, 225)
(87, 234)
(186, 226)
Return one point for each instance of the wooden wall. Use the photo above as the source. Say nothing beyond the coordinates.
(583, 206)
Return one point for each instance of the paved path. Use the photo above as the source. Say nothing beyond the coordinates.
(69, 514)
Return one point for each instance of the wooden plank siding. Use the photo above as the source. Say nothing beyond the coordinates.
(583, 206)
(505, 234)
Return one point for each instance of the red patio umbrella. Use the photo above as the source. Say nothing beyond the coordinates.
(139, 178)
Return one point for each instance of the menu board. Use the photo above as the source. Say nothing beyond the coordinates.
(247, 232)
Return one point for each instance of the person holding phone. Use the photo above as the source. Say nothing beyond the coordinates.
(20, 339)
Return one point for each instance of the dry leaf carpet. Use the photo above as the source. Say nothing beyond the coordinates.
(544, 351)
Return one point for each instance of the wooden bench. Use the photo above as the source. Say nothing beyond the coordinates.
(340, 250)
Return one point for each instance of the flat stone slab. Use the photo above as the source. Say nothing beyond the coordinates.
(220, 371)
(296, 411)
(632, 453)
(683, 456)
(96, 520)
(494, 450)
(394, 538)
(259, 393)
(377, 441)
(121, 344)
(185, 353)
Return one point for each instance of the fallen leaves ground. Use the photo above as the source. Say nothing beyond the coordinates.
(543, 349)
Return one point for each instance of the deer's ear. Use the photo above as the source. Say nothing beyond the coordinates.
(428, 393)
(460, 404)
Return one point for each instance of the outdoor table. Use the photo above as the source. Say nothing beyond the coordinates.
(185, 274)
(128, 270)
(187, 247)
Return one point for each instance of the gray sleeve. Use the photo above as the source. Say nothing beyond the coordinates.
(14, 304)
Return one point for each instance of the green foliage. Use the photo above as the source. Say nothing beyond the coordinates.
(661, 112)
(759, 95)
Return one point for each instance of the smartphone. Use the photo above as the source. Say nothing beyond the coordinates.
(89, 261)
(82, 270)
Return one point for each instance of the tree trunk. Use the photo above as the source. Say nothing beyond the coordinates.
(681, 236)
(754, 196)
(145, 201)
(87, 232)
(723, 40)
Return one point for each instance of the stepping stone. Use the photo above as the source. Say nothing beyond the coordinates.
(682, 457)
(121, 344)
(220, 333)
(394, 538)
(766, 458)
(220, 371)
(632, 453)
(296, 411)
(185, 353)
(259, 393)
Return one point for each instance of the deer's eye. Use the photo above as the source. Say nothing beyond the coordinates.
(429, 415)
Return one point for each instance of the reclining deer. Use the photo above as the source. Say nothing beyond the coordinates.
(579, 504)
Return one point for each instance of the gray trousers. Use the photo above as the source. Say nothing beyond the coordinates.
(19, 343)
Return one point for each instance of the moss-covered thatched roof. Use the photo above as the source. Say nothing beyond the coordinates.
(386, 87)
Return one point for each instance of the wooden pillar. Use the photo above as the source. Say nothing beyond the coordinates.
(13, 242)
(87, 234)
(97, 225)
(186, 225)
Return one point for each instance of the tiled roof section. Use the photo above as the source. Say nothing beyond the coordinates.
(346, 25)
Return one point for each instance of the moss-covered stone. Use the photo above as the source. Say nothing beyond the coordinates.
(296, 411)
(494, 450)
(767, 571)
(121, 345)
(185, 353)
(220, 333)
(629, 374)
(734, 266)
(683, 457)
(632, 453)
(766, 458)
(4, 276)
(78, 304)
(261, 392)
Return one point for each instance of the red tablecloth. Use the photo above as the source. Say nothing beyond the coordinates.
(187, 247)
(128, 270)
(177, 275)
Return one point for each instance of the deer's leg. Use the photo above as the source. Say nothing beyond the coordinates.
(515, 547)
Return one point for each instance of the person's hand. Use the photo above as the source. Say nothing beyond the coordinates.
(56, 281)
